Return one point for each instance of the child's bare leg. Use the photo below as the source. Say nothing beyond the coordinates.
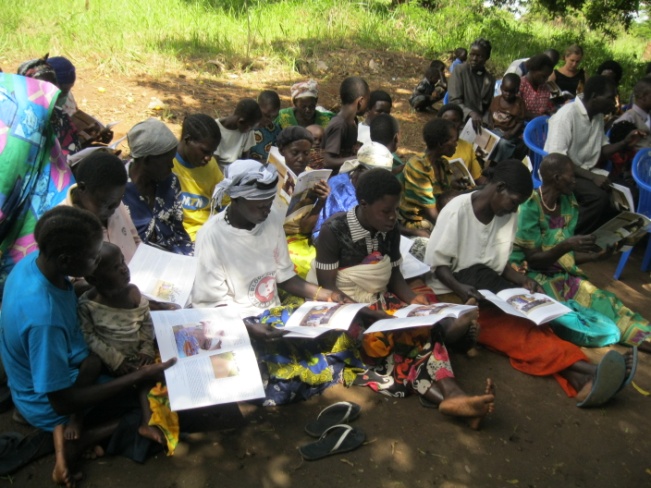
(457, 403)
(151, 432)
(89, 371)
(61, 473)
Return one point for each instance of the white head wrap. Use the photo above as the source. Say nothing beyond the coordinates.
(248, 179)
(150, 138)
(371, 155)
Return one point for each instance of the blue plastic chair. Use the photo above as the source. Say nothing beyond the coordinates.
(535, 134)
(642, 175)
(446, 98)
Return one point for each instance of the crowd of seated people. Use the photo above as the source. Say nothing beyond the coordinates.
(210, 193)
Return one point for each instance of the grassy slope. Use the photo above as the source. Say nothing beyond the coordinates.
(146, 35)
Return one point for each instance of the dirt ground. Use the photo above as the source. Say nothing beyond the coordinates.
(536, 437)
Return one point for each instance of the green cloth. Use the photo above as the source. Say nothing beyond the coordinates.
(565, 280)
(286, 118)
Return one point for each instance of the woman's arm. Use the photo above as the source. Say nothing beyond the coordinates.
(321, 191)
(445, 276)
(541, 260)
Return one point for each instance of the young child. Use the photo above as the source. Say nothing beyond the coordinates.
(340, 139)
(267, 130)
(507, 112)
(380, 103)
(197, 170)
(621, 172)
(460, 55)
(117, 326)
(316, 154)
(237, 134)
(386, 131)
(431, 88)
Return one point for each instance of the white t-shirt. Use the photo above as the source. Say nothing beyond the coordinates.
(459, 240)
(516, 66)
(233, 144)
(241, 267)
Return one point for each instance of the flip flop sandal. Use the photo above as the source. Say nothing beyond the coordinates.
(335, 440)
(609, 378)
(426, 403)
(370, 377)
(335, 414)
(629, 379)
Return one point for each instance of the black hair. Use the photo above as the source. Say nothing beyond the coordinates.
(431, 72)
(200, 127)
(613, 66)
(352, 88)
(248, 109)
(66, 230)
(539, 62)
(101, 170)
(292, 134)
(437, 65)
(375, 184)
(384, 128)
(484, 44)
(379, 96)
(642, 87)
(512, 77)
(597, 85)
(620, 130)
(514, 174)
(553, 54)
(460, 51)
(436, 132)
(553, 164)
(269, 97)
(451, 107)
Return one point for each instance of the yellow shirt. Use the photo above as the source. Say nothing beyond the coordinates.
(197, 185)
(466, 152)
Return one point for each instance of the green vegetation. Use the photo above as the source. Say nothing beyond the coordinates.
(144, 35)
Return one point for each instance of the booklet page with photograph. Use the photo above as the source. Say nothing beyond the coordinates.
(419, 316)
(622, 231)
(312, 319)
(520, 302)
(215, 361)
(460, 171)
(486, 142)
(410, 267)
(162, 275)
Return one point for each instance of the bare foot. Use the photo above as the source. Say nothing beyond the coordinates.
(153, 433)
(474, 408)
(61, 473)
(457, 329)
(73, 429)
(94, 453)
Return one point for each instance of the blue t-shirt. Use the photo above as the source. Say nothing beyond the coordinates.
(41, 342)
(341, 199)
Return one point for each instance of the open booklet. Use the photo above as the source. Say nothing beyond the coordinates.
(419, 316)
(76, 158)
(460, 171)
(410, 267)
(293, 190)
(520, 302)
(485, 143)
(622, 231)
(163, 276)
(622, 198)
(215, 361)
(312, 319)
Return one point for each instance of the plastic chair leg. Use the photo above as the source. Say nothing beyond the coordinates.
(622, 263)
(646, 262)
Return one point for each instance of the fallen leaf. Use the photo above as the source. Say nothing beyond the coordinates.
(512, 482)
(346, 461)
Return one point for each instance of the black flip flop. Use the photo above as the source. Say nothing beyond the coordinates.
(335, 414)
(335, 440)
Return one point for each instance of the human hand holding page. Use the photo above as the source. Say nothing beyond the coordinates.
(215, 361)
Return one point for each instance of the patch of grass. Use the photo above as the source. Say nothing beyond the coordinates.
(144, 35)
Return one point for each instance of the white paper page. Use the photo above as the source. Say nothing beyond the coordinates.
(460, 170)
(625, 194)
(315, 318)
(622, 226)
(468, 133)
(163, 276)
(419, 316)
(410, 267)
(501, 304)
(216, 363)
(537, 307)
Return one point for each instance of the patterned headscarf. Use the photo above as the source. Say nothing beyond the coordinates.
(248, 179)
(304, 89)
(38, 69)
(373, 155)
(150, 138)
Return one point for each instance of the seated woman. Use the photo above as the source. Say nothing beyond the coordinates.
(295, 145)
(358, 253)
(101, 182)
(534, 89)
(242, 260)
(304, 112)
(197, 170)
(545, 240)
(569, 77)
(469, 250)
(343, 186)
(427, 176)
(153, 193)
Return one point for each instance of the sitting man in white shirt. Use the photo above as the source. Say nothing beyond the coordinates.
(638, 114)
(577, 130)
